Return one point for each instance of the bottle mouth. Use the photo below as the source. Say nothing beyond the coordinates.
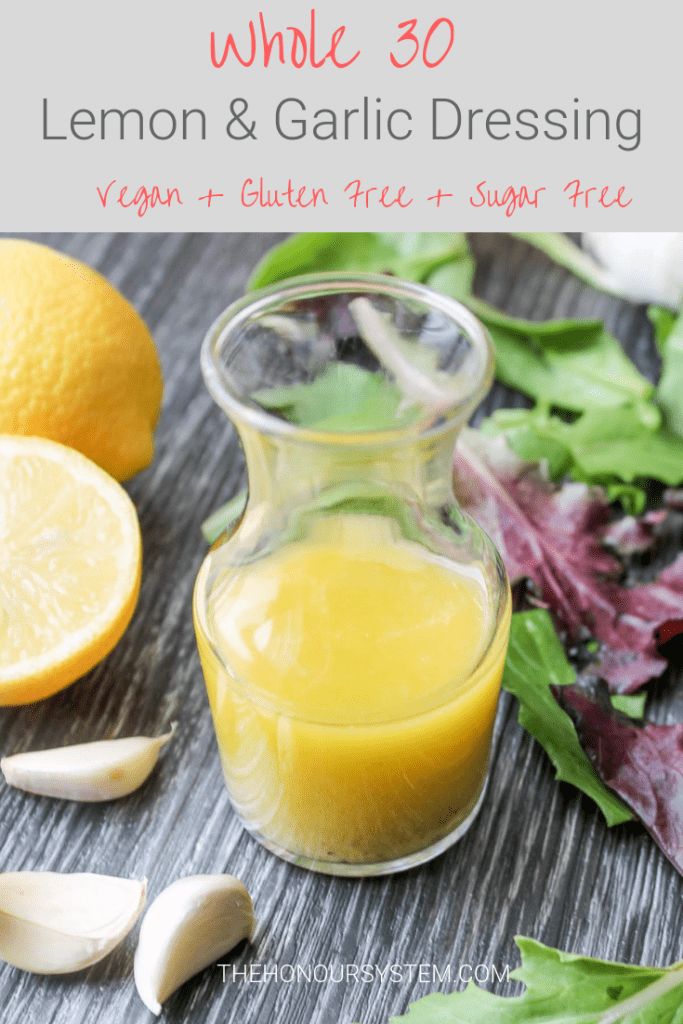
(404, 361)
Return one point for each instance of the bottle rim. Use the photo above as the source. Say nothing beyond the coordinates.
(225, 334)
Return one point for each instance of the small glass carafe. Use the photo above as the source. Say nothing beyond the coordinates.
(352, 627)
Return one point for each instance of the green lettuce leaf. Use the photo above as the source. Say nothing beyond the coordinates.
(412, 256)
(571, 364)
(626, 445)
(663, 321)
(456, 278)
(632, 499)
(343, 397)
(630, 704)
(669, 337)
(224, 518)
(578, 368)
(563, 988)
(535, 662)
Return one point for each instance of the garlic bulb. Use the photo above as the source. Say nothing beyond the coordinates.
(189, 926)
(54, 923)
(644, 266)
(92, 772)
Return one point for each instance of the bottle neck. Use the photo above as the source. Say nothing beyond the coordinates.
(287, 472)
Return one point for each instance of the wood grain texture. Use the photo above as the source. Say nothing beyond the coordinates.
(539, 861)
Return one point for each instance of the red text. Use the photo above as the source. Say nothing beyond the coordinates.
(596, 195)
(379, 195)
(438, 43)
(292, 45)
(296, 197)
(143, 198)
(510, 199)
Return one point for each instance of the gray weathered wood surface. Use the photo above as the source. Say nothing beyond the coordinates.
(539, 861)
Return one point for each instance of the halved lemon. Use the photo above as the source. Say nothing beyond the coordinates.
(70, 562)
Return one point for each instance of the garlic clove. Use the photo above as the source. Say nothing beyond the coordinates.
(189, 926)
(91, 772)
(53, 923)
(645, 266)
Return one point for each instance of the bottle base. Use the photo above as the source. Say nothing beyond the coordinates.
(346, 869)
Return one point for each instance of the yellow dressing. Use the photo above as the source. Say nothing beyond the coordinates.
(353, 679)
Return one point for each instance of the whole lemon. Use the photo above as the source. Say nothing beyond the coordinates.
(77, 363)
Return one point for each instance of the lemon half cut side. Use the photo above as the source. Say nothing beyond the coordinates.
(70, 564)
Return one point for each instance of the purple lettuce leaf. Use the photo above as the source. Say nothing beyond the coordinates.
(555, 536)
(642, 764)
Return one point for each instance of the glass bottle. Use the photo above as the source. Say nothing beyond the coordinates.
(352, 627)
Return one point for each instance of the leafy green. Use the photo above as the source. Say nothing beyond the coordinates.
(224, 518)
(630, 704)
(571, 364)
(582, 368)
(669, 337)
(535, 662)
(569, 332)
(412, 256)
(663, 321)
(344, 397)
(625, 445)
(632, 499)
(456, 278)
(563, 988)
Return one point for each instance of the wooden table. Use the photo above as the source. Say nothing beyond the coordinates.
(539, 861)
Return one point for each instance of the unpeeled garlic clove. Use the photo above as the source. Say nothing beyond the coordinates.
(91, 772)
(645, 266)
(54, 923)
(189, 926)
